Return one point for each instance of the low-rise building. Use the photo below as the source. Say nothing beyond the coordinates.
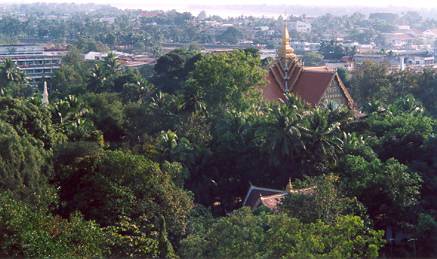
(345, 62)
(301, 27)
(399, 39)
(303, 46)
(35, 61)
(400, 60)
(93, 56)
(126, 59)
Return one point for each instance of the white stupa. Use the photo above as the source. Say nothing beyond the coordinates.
(45, 94)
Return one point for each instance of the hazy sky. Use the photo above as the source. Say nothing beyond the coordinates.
(181, 3)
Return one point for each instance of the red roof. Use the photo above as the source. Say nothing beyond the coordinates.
(312, 85)
(309, 83)
(254, 193)
(271, 198)
(272, 202)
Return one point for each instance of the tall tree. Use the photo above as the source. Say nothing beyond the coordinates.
(121, 184)
(24, 167)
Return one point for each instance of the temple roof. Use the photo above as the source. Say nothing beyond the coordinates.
(273, 201)
(312, 84)
(288, 74)
(271, 198)
(254, 193)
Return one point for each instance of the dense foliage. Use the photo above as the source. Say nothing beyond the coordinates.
(119, 166)
(247, 235)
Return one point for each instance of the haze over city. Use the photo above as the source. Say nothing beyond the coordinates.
(235, 8)
(228, 8)
(144, 3)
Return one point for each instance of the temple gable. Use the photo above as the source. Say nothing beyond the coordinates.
(334, 94)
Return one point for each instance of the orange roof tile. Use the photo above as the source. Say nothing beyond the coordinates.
(312, 85)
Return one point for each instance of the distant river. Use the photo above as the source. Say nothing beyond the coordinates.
(223, 11)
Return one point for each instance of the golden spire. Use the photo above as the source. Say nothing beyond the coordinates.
(289, 187)
(286, 51)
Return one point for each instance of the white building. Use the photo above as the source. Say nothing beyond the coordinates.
(305, 46)
(404, 27)
(108, 20)
(92, 55)
(36, 62)
(419, 61)
(263, 28)
(400, 60)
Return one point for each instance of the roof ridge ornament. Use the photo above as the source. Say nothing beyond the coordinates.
(289, 187)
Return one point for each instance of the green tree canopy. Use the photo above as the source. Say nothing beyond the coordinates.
(24, 167)
(121, 184)
(30, 232)
(244, 234)
(28, 118)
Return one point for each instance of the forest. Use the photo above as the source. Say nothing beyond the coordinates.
(118, 165)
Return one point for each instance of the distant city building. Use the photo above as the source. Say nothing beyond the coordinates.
(93, 56)
(404, 27)
(301, 27)
(263, 28)
(399, 60)
(399, 39)
(267, 53)
(126, 59)
(377, 58)
(314, 85)
(303, 46)
(345, 62)
(34, 60)
(108, 20)
(365, 48)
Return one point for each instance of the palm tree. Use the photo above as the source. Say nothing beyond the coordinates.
(97, 79)
(10, 73)
(111, 64)
(284, 134)
(323, 138)
(69, 109)
(193, 101)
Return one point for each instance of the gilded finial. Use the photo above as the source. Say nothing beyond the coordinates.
(286, 51)
(289, 187)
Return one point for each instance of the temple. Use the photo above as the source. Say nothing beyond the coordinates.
(271, 198)
(314, 85)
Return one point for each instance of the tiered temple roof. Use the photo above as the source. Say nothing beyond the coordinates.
(288, 74)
